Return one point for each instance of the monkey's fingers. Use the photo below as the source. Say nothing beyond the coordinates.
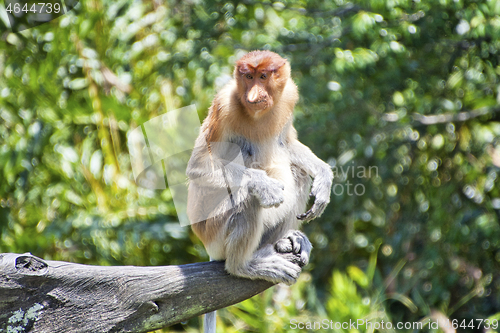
(295, 242)
(269, 201)
(315, 211)
(283, 245)
(291, 243)
(268, 191)
(309, 215)
(305, 216)
(296, 238)
(301, 246)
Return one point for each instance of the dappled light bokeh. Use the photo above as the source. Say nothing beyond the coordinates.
(401, 98)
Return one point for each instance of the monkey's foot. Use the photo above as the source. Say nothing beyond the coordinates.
(295, 242)
(269, 265)
(276, 267)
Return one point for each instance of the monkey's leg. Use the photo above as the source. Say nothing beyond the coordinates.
(242, 257)
(295, 242)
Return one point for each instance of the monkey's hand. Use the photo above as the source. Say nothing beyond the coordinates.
(295, 242)
(321, 188)
(267, 190)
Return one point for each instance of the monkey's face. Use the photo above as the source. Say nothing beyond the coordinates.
(260, 78)
(258, 97)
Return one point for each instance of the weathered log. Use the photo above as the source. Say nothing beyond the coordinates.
(53, 296)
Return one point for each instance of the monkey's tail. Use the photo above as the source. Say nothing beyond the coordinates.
(210, 323)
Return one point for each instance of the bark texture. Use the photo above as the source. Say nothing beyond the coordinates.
(54, 296)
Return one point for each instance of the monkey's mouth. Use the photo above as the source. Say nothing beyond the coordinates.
(258, 107)
(257, 102)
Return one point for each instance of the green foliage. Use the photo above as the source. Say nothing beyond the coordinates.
(400, 97)
(279, 306)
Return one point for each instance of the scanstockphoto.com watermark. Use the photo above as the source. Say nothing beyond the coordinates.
(362, 324)
(359, 324)
(344, 174)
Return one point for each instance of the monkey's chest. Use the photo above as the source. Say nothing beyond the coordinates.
(274, 159)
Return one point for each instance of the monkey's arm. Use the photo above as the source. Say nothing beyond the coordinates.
(223, 169)
(304, 158)
(209, 169)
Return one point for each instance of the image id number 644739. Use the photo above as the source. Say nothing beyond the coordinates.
(471, 324)
(40, 7)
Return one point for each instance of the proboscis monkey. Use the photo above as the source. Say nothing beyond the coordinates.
(250, 177)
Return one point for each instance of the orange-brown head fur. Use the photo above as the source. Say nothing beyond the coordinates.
(255, 107)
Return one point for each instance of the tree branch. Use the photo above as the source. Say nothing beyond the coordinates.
(452, 117)
(420, 119)
(53, 296)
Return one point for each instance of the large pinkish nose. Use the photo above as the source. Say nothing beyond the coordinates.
(253, 95)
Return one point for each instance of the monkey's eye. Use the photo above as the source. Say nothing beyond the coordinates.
(263, 76)
(250, 77)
